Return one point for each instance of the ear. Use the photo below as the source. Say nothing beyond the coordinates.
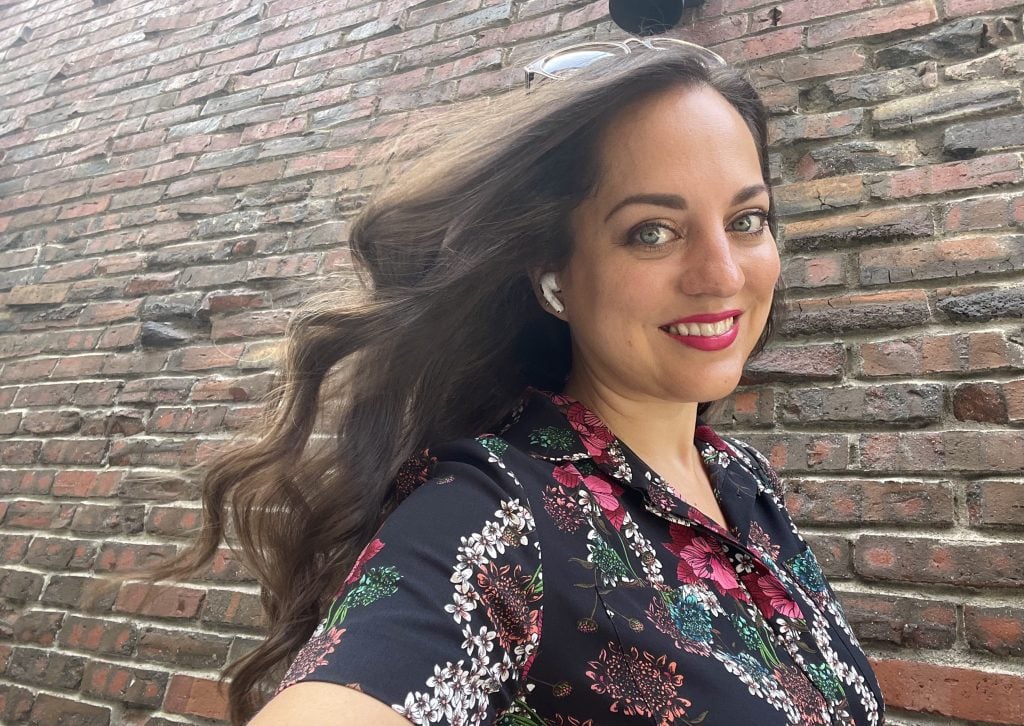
(547, 290)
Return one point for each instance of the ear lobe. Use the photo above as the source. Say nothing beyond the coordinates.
(549, 289)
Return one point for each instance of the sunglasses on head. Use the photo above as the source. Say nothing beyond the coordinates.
(564, 62)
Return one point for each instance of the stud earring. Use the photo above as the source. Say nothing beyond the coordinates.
(549, 288)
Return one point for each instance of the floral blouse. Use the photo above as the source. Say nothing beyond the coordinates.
(545, 575)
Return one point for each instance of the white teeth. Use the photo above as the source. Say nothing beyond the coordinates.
(702, 329)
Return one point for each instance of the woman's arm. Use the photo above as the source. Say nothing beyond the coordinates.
(315, 702)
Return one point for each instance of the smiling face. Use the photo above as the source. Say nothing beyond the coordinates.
(673, 268)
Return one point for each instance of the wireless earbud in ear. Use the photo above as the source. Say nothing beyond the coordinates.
(549, 288)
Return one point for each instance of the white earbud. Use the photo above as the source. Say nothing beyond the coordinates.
(549, 288)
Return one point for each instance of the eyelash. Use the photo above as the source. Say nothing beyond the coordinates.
(632, 242)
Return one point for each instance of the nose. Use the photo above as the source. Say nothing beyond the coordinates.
(710, 265)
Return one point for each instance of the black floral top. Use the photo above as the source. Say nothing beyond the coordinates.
(547, 576)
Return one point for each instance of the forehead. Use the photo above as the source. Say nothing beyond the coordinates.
(680, 134)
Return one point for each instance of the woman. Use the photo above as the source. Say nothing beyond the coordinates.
(595, 257)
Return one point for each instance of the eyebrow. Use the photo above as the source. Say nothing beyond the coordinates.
(677, 202)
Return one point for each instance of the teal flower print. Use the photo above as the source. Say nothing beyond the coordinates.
(806, 569)
(690, 616)
(825, 679)
(608, 563)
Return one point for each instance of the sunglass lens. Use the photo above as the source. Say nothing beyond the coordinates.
(573, 60)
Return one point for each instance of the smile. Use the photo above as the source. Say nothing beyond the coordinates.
(705, 336)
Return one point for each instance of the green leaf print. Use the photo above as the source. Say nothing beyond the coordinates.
(496, 446)
(553, 437)
(375, 583)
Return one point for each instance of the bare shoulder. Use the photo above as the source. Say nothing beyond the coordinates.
(325, 703)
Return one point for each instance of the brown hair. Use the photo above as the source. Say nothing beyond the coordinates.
(440, 344)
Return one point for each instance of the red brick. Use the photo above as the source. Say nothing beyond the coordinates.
(159, 601)
(998, 630)
(98, 636)
(195, 650)
(860, 501)
(949, 258)
(943, 451)
(56, 710)
(928, 355)
(797, 363)
(218, 388)
(873, 23)
(52, 553)
(73, 451)
(936, 561)
(958, 8)
(186, 420)
(26, 482)
(118, 557)
(81, 484)
(995, 503)
(257, 324)
(38, 515)
(903, 621)
(841, 314)
(949, 177)
(133, 686)
(174, 521)
(38, 294)
(993, 212)
(85, 209)
(814, 272)
(201, 358)
(966, 693)
(196, 697)
(51, 422)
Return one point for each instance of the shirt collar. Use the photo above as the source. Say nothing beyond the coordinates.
(555, 427)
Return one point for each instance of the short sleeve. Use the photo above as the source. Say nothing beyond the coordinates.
(440, 617)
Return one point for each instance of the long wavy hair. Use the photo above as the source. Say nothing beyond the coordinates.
(440, 343)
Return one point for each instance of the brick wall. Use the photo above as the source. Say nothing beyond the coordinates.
(175, 179)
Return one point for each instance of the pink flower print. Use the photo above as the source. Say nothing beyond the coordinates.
(607, 495)
(567, 475)
(771, 597)
(592, 432)
(701, 559)
(365, 556)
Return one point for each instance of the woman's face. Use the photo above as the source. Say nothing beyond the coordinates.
(673, 267)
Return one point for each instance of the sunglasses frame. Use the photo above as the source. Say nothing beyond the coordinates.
(536, 67)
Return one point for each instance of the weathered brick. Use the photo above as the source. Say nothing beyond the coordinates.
(949, 451)
(998, 630)
(20, 586)
(857, 501)
(52, 553)
(814, 272)
(49, 709)
(134, 686)
(941, 178)
(98, 636)
(994, 134)
(904, 621)
(35, 627)
(995, 503)
(793, 129)
(236, 609)
(820, 194)
(160, 601)
(82, 484)
(926, 560)
(193, 650)
(984, 304)
(972, 256)
(854, 157)
(46, 668)
(916, 404)
(981, 213)
(802, 452)
(200, 697)
(857, 312)
(873, 23)
(946, 104)
(928, 355)
(966, 693)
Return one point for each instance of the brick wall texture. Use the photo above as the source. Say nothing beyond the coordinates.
(176, 177)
